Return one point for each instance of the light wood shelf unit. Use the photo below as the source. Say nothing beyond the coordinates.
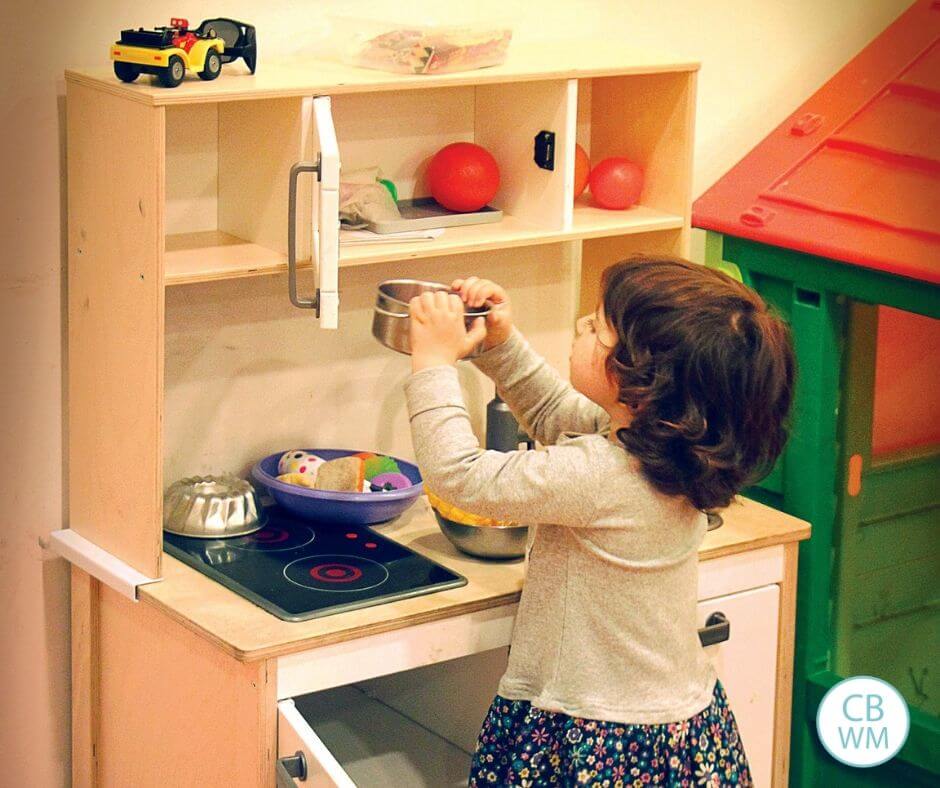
(171, 187)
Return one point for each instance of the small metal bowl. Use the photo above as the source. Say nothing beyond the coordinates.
(485, 541)
(210, 507)
(391, 321)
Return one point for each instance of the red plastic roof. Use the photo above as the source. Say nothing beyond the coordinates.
(854, 173)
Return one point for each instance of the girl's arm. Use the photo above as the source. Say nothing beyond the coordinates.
(550, 486)
(544, 403)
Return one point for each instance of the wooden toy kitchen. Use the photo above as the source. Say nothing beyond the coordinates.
(186, 356)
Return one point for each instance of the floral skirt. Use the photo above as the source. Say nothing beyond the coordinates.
(520, 744)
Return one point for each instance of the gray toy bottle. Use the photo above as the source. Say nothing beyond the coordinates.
(502, 430)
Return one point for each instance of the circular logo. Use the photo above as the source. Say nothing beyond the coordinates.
(863, 721)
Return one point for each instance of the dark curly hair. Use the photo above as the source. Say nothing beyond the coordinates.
(709, 371)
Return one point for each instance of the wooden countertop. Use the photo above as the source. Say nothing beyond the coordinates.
(249, 633)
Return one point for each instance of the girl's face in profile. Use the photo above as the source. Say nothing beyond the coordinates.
(594, 339)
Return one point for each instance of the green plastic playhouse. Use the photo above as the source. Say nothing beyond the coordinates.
(835, 219)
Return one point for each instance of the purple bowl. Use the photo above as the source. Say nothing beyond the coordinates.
(338, 508)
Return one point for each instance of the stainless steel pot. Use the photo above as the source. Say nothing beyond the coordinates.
(485, 541)
(391, 322)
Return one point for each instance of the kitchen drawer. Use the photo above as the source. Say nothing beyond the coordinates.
(404, 729)
(747, 665)
(348, 739)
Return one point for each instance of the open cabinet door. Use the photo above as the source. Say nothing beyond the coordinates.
(325, 229)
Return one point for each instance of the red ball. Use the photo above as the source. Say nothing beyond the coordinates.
(616, 183)
(463, 177)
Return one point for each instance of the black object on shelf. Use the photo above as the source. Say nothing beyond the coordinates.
(545, 150)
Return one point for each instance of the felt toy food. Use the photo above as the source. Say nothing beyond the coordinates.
(389, 481)
(463, 177)
(459, 515)
(363, 472)
(300, 462)
(298, 479)
(376, 464)
(344, 474)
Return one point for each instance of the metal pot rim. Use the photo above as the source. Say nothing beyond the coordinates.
(435, 286)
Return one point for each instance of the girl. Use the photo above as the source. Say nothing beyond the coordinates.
(680, 385)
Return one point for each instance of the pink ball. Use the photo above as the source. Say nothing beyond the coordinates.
(616, 183)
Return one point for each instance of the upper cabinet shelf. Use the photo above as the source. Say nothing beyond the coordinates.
(304, 76)
(227, 166)
(212, 255)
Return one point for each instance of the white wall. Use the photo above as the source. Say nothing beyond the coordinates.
(759, 60)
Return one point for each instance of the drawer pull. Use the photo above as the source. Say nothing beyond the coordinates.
(717, 629)
(291, 767)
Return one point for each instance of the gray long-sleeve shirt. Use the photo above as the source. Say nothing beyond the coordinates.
(607, 622)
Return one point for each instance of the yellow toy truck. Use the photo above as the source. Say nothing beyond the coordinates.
(169, 52)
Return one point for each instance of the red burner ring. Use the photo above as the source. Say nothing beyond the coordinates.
(335, 573)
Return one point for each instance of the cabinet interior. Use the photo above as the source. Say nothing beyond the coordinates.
(227, 166)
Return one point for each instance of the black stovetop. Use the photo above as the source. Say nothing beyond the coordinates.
(299, 570)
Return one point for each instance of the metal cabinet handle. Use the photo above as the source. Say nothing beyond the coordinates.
(291, 767)
(717, 629)
(303, 303)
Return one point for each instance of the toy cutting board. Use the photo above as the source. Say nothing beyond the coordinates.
(425, 213)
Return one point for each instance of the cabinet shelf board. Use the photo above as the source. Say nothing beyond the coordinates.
(213, 255)
(306, 76)
(591, 222)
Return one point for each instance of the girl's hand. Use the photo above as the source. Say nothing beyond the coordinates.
(438, 332)
(474, 291)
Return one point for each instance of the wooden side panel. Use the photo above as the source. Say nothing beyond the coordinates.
(508, 117)
(786, 634)
(175, 710)
(115, 368)
(259, 141)
(84, 678)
